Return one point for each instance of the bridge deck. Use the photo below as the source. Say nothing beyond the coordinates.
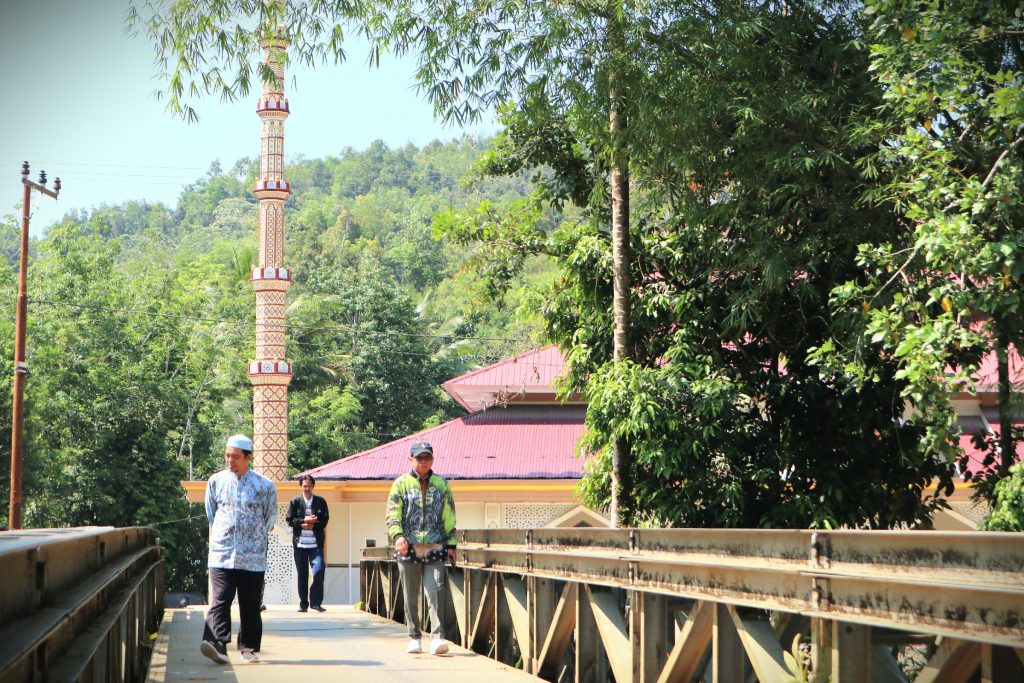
(340, 644)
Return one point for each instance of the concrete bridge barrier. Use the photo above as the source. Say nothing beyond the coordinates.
(78, 604)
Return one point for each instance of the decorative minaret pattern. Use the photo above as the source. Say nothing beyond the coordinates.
(270, 372)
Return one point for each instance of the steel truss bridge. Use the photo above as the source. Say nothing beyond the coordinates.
(660, 605)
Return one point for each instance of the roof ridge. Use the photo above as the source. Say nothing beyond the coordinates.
(504, 361)
(390, 443)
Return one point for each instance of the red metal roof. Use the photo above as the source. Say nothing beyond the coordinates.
(976, 456)
(987, 377)
(531, 372)
(515, 442)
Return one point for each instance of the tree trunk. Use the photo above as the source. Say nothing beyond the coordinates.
(1006, 446)
(620, 251)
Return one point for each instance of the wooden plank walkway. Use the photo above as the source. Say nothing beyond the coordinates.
(342, 644)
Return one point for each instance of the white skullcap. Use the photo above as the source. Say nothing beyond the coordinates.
(240, 441)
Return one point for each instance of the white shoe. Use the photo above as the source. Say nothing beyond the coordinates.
(413, 647)
(438, 646)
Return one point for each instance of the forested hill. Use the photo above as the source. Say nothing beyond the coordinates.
(141, 324)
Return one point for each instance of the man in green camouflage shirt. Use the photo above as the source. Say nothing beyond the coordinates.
(421, 525)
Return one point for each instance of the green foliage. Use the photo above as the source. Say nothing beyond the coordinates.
(945, 289)
(817, 226)
(772, 238)
(8, 298)
(1007, 503)
(116, 375)
(511, 234)
(745, 135)
(210, 45)
(141, 325)
(796, 664)
(200, 200)
(10, 239)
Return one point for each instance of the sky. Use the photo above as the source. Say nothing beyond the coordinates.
(81, 106)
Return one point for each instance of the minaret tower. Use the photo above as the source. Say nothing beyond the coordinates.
(271, 371)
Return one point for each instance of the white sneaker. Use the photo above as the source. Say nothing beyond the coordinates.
(438, 646)
(413, 647)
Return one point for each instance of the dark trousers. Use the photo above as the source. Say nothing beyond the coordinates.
(306, 558)
(224, 583)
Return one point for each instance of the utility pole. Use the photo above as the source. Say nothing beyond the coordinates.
(20, 366)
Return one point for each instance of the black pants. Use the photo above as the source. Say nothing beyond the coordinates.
(223, 585)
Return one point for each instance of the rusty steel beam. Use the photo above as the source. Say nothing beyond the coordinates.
(727, 664)
(613, 630)
(591, 661)
(983, 614)
(978, 557)
(854, 591)
(519, 612)
(656, 622)
(761, 645)
(957, 584)
(482, 610)
(851, 653)
(691, 643)
(557, 635)
(457, 596)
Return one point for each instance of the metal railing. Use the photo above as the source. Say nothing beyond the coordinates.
(78, 604)
(728, 604)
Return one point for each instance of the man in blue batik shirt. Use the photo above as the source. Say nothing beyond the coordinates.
(241, 506)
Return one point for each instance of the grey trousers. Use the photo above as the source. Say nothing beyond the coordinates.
(429, 578)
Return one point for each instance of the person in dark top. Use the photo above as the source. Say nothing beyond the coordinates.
(308, 517)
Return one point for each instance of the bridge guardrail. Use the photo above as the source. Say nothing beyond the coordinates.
(78, 604)
(961, 594)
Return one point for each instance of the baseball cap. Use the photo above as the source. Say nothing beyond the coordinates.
(420, 448)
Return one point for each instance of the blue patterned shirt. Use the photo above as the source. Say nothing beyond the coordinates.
(241, 512)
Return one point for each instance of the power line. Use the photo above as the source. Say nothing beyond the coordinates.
(476, 358)
(122, 177)
(132, 182)
(98, 165)
(173, 521)
(114, 174)
(288, 326)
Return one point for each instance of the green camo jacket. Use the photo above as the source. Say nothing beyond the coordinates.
(428, 518)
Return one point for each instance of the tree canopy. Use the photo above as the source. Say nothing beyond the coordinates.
(792, 361)
(141, 325)
(746, 131)
(825, 239)
(945, 289)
